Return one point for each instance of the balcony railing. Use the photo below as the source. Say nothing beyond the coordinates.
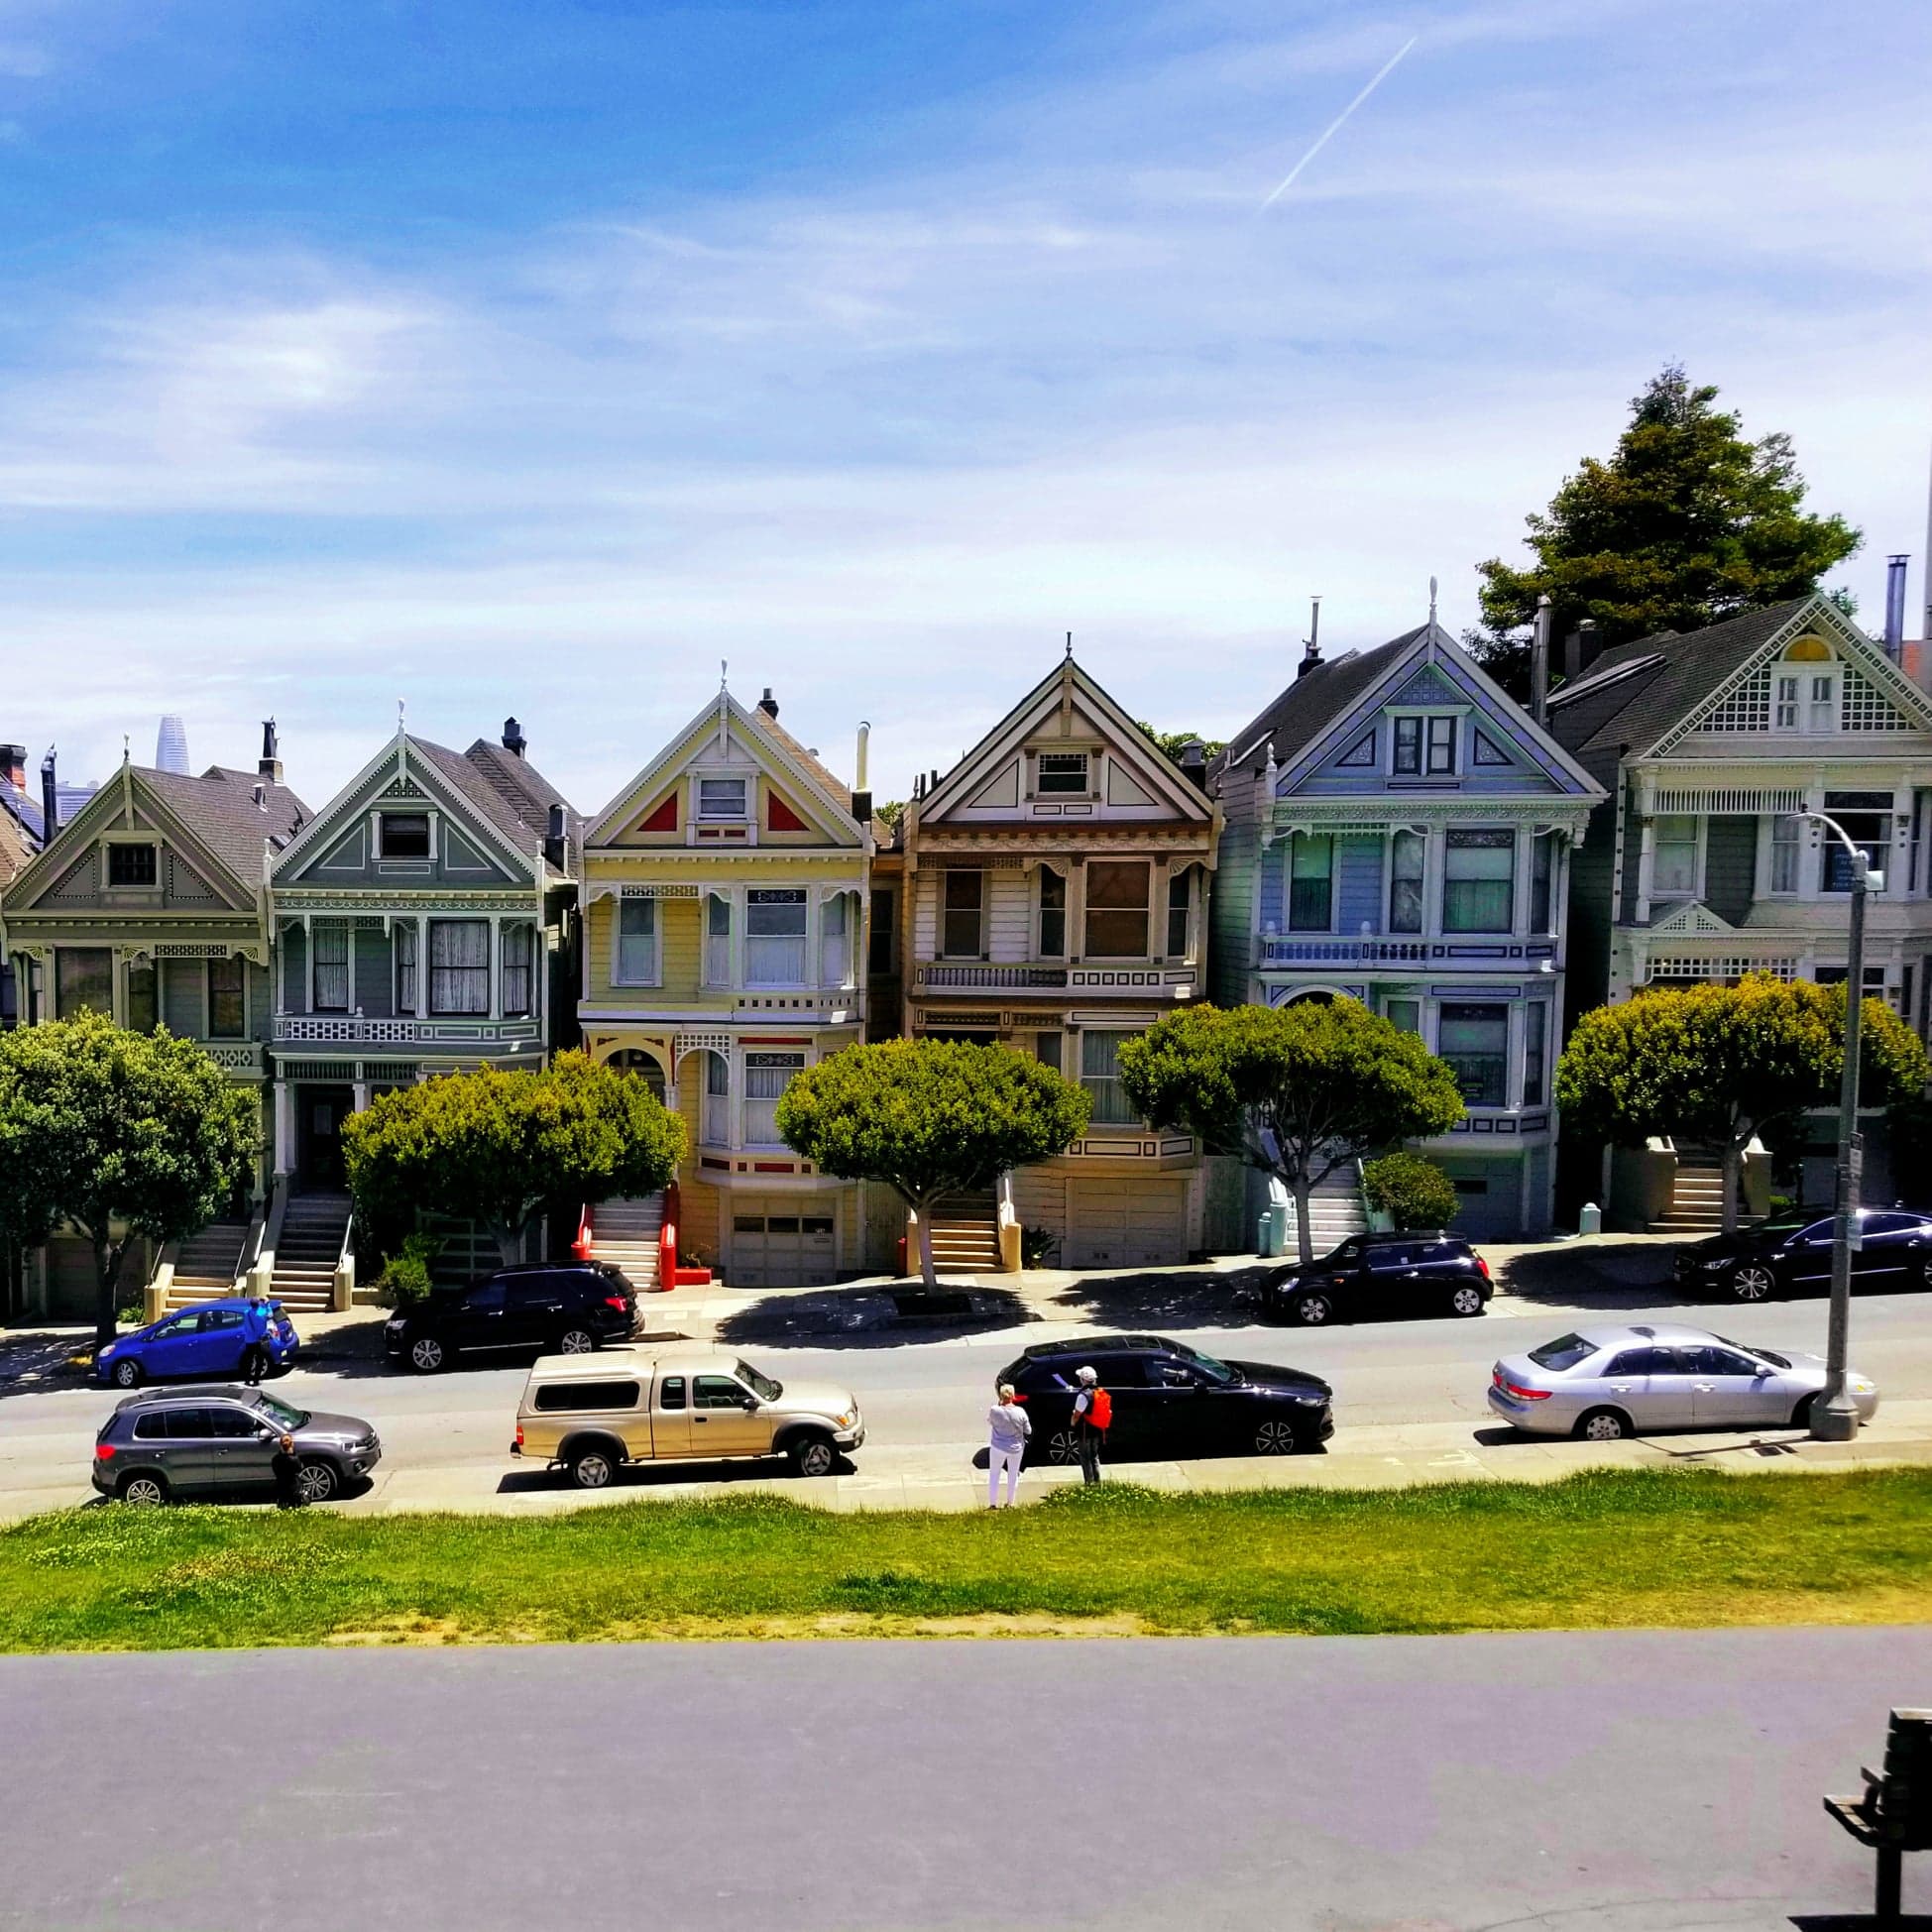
(1126, 977)
(344, 1029)
(235, 1055)
(1477, 952)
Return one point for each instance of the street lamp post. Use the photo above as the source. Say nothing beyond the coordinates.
(1834, 1416)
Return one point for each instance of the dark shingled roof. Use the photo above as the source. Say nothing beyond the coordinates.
(505, 790)
(1311, 705)
(1636, 711)
(219, 808)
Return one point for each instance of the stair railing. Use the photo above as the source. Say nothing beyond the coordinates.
(261, 1277)
(343, 1290)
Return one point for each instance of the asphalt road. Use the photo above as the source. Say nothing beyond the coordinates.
(930, 1395)
(1601, 1782)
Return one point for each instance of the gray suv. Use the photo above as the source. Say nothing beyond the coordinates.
(193, 1442)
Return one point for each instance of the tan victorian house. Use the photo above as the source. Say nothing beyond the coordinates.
(724, 898)
(1053, 896)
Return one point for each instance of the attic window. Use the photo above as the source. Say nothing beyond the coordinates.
(720, 799)
(405, 835)
(131, 866)
(1063, 772)
(1488, 752)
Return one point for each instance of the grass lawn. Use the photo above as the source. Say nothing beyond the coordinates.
(1598, 1549)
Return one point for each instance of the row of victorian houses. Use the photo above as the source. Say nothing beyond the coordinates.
(1391, 828)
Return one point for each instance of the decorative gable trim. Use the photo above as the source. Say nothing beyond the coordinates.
(1359, 755)
(1694, 918)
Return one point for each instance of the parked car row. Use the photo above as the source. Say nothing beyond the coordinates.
(1791, 1254)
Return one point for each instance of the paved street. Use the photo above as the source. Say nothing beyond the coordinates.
(1595, 1783)
(1409, 1405)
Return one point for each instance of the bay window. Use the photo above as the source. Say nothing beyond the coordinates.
(1475, 1040)
(459, 966)
(1050, 941)
(406, 969)
(718, 939)
(1311, 883)
(331, 940)
(227, 999)
(1101, 1075)
(1866, 819)
(1673, 855)
(1542, 880)
(715, 1124)
(84, 981)
(1535, 1051)
(766, 1075)
(143, 1000)
(637, 964)
(518, 973)
(774, 935)
(1406, 857)
(1478, 881)
(835, 946)
(1179, 911)
(1116, 909)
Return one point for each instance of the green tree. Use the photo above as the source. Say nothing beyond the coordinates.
(1294, 1091)
(1685, 524)
(498, 1147)
(1718, 1065)
(1172, 742)
(125, 1136)
(1412, 1191)
(930, 1118)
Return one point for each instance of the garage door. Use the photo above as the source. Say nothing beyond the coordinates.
(782, 1242)
(1489, 1198)
(1126, 1223)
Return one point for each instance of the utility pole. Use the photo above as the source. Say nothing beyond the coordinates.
(1834, 1416)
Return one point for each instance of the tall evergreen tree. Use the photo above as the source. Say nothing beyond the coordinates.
(1686, 524)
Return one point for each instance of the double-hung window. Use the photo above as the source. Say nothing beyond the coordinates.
(1424, 748)
(404, 835)
(774, 935)
(636, 942)
(718, 939)
(227, 999)
(766, 1075)
(518, 974)
(144, 998)
(407, 968)
(1116, 909)
(1788, 833)
(1542, 879)
(1052, 938)
(1673, 855)
(1180, 913)
(1101, 1075)
(1478, 881)
(1406, 857)
(332, 939)
(962, 916)
(1311, 883)
(1821, 702)
(132, 866)
(1475, 1040)
(715, 1125)
(834, 941)
(721, 800)
(1535, 1033)
(1784, 710)
(1866, 819)
(1063, 773)
(459, 966)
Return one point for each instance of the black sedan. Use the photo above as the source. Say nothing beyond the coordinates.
(1169, 1400)
(1790, 1254)
(552, 1308)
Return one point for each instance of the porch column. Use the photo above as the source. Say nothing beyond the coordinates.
(353, 923)
(308, 962)
(1645, 860)
(361, 1091)
(284, 1127)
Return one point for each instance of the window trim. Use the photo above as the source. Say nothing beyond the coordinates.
(748, 794)
(1042, 912)
(379, 833)
(1424, 718)
(208, 999)
(119, 842)
(488, 969)
(1088, 761)
(1146, 908)
(655, 974)
(946, 873)
(1695, 890)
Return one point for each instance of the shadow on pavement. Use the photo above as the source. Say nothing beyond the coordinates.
(867, 1318)
(1860, 1922)
(655, 1475)
(1605, 1275)
(32, 1360)
(1212, 1298)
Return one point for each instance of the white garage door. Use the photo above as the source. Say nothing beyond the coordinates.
(1126, 1223)
(782, 1242)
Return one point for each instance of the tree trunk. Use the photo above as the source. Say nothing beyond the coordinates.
(1304, 1236)
(1732, 1178)
(510, 1240)
(928, 1273)
(107, 1282)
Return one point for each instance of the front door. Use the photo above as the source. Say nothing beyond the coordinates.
(721, 1423)
(321, 1112)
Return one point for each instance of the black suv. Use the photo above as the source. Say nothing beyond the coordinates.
(549, 1308)
(1169, 1401)
(1790, 1254)
(1423, 1272)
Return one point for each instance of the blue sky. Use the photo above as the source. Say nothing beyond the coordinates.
(536, 358)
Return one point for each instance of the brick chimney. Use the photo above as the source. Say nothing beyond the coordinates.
(769, 703)
(269, 766)
(13, 766)
(515, 742)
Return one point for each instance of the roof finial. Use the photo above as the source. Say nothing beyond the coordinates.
(1432, 603)
(724, 672)
(1070, 646)
(124, 748)
(400, 712)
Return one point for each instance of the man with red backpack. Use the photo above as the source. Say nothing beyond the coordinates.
(1092, 1418)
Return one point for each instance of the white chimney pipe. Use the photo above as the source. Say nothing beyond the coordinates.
(858, 783)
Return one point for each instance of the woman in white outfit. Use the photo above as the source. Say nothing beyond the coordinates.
(1008, 1426)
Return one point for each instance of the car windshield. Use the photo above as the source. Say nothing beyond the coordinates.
(1776, 1360)
(1209, 1366)
(760, 1386)
(281, 1411)
(1562, 1353)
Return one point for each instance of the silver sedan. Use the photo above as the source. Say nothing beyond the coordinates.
(1600, 1384)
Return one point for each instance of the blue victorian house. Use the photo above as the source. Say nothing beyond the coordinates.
(1399, 831)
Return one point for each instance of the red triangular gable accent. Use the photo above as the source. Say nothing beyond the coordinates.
(665, 818)
(779, 817)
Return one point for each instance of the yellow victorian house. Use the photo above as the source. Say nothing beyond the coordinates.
(725, 895)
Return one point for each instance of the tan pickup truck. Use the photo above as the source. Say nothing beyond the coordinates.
(590, 1415)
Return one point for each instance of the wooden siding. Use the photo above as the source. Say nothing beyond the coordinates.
(1731, 866)
(1358, 884)
(1232, 950)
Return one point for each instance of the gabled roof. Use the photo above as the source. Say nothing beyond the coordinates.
(219, 808)
(1125, 737)
(527, 793)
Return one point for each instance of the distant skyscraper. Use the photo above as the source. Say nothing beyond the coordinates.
(170, 746)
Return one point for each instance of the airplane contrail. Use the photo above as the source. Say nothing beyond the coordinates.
(1328, 132)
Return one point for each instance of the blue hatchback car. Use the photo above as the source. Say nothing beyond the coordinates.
(204, 1343)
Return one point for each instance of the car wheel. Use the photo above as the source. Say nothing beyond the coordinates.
(318, 1481)
(576, 1342)
(1062, 1447)
(1801, 1415)
(126, 1375)
(1754, 1282)
(1274, 1438)
(144, 1492)
(428, 1355)
(812, 1455)
(1603, 1425)
(593, 1469)
(1466, 1300)
(1312, 1310)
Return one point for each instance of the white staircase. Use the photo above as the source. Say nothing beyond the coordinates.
(206, 1264)
(1696, 1196)
(313, 1230)
(1335, 1211)
(624, 1234)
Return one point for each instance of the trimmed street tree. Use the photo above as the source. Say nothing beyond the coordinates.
(930, 1118)
(1294, 1090)
(1718, 1065)
(1685, 525)
(498, 1147)
(122, 1135)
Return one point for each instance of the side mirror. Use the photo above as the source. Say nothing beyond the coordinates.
(747, 1402)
